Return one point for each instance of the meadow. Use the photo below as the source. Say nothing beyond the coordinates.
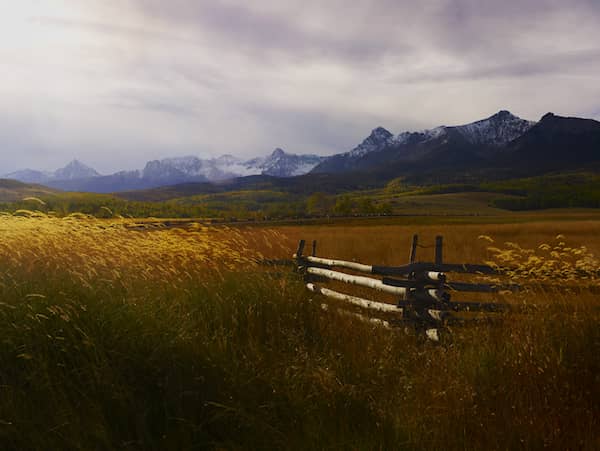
(119, 334)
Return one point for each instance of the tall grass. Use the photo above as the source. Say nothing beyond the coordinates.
(115, 337)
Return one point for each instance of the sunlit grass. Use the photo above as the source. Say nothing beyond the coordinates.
(116, 251)
(121, 334)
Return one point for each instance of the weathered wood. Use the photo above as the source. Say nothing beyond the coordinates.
(409, 283)
(413, 249)
(455, 286)
(406, 270)
(489, 307)
(341, 264)
(423, 299)
(439, 248)
(364, 303)
(418, 280)
(429, 277)
(359, 280)
(430, 295)
(300, 250)
(435, 276)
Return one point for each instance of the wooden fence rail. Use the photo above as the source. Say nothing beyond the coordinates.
(422, 289)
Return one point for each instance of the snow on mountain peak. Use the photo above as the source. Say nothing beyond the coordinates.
(281, 164)
(377, 140)
(496, 130)
(189, 166)
(278, 163)
(380, 133)
(433, 133)
(74, 170)
(228, 159)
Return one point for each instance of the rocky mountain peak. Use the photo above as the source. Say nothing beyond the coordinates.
(380, 134)
(75, 170)
(377, 140)
(548, 116)
(495, 130)
(504, 114)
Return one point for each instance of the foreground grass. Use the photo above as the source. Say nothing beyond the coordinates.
(210, 356)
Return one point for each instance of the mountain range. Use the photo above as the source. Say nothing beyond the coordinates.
(76, 176)
(501, 146)
(436, 147)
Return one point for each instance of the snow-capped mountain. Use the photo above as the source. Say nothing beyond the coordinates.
(377, 140)
(170, 171)
(75, 170)
(172, 168)
(440, 148)
(278, 164)
(497, 130)
(281, 164)
(477, 138)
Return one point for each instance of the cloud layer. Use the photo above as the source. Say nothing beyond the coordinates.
(117, 82)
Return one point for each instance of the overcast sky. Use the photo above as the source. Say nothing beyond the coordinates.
(115, 83)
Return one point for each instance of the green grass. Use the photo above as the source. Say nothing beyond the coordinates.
(578, 189)
(269, 200)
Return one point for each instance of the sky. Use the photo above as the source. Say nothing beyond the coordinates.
(115, 83)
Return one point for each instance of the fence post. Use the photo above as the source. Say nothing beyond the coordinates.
(314, 248)
(300, 249)
(413, 249)
(439, 246)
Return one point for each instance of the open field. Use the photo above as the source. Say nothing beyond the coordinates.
(175, 338)
(389, 244)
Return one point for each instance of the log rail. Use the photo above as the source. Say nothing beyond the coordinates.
(422, 289)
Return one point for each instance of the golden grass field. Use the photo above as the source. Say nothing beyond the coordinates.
(123, 334)
(390, 244)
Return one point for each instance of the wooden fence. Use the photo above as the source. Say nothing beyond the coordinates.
(422, 290)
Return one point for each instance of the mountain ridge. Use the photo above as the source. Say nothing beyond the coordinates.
(497, 146)
(76, 176)
(477, 138)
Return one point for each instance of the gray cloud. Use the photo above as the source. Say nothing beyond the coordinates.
(266, 35)
(564, 63)
(118, 82)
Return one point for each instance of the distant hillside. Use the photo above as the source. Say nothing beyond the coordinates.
(12, 190)
(302, 185)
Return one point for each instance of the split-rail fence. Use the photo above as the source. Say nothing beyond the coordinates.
(422, 290)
